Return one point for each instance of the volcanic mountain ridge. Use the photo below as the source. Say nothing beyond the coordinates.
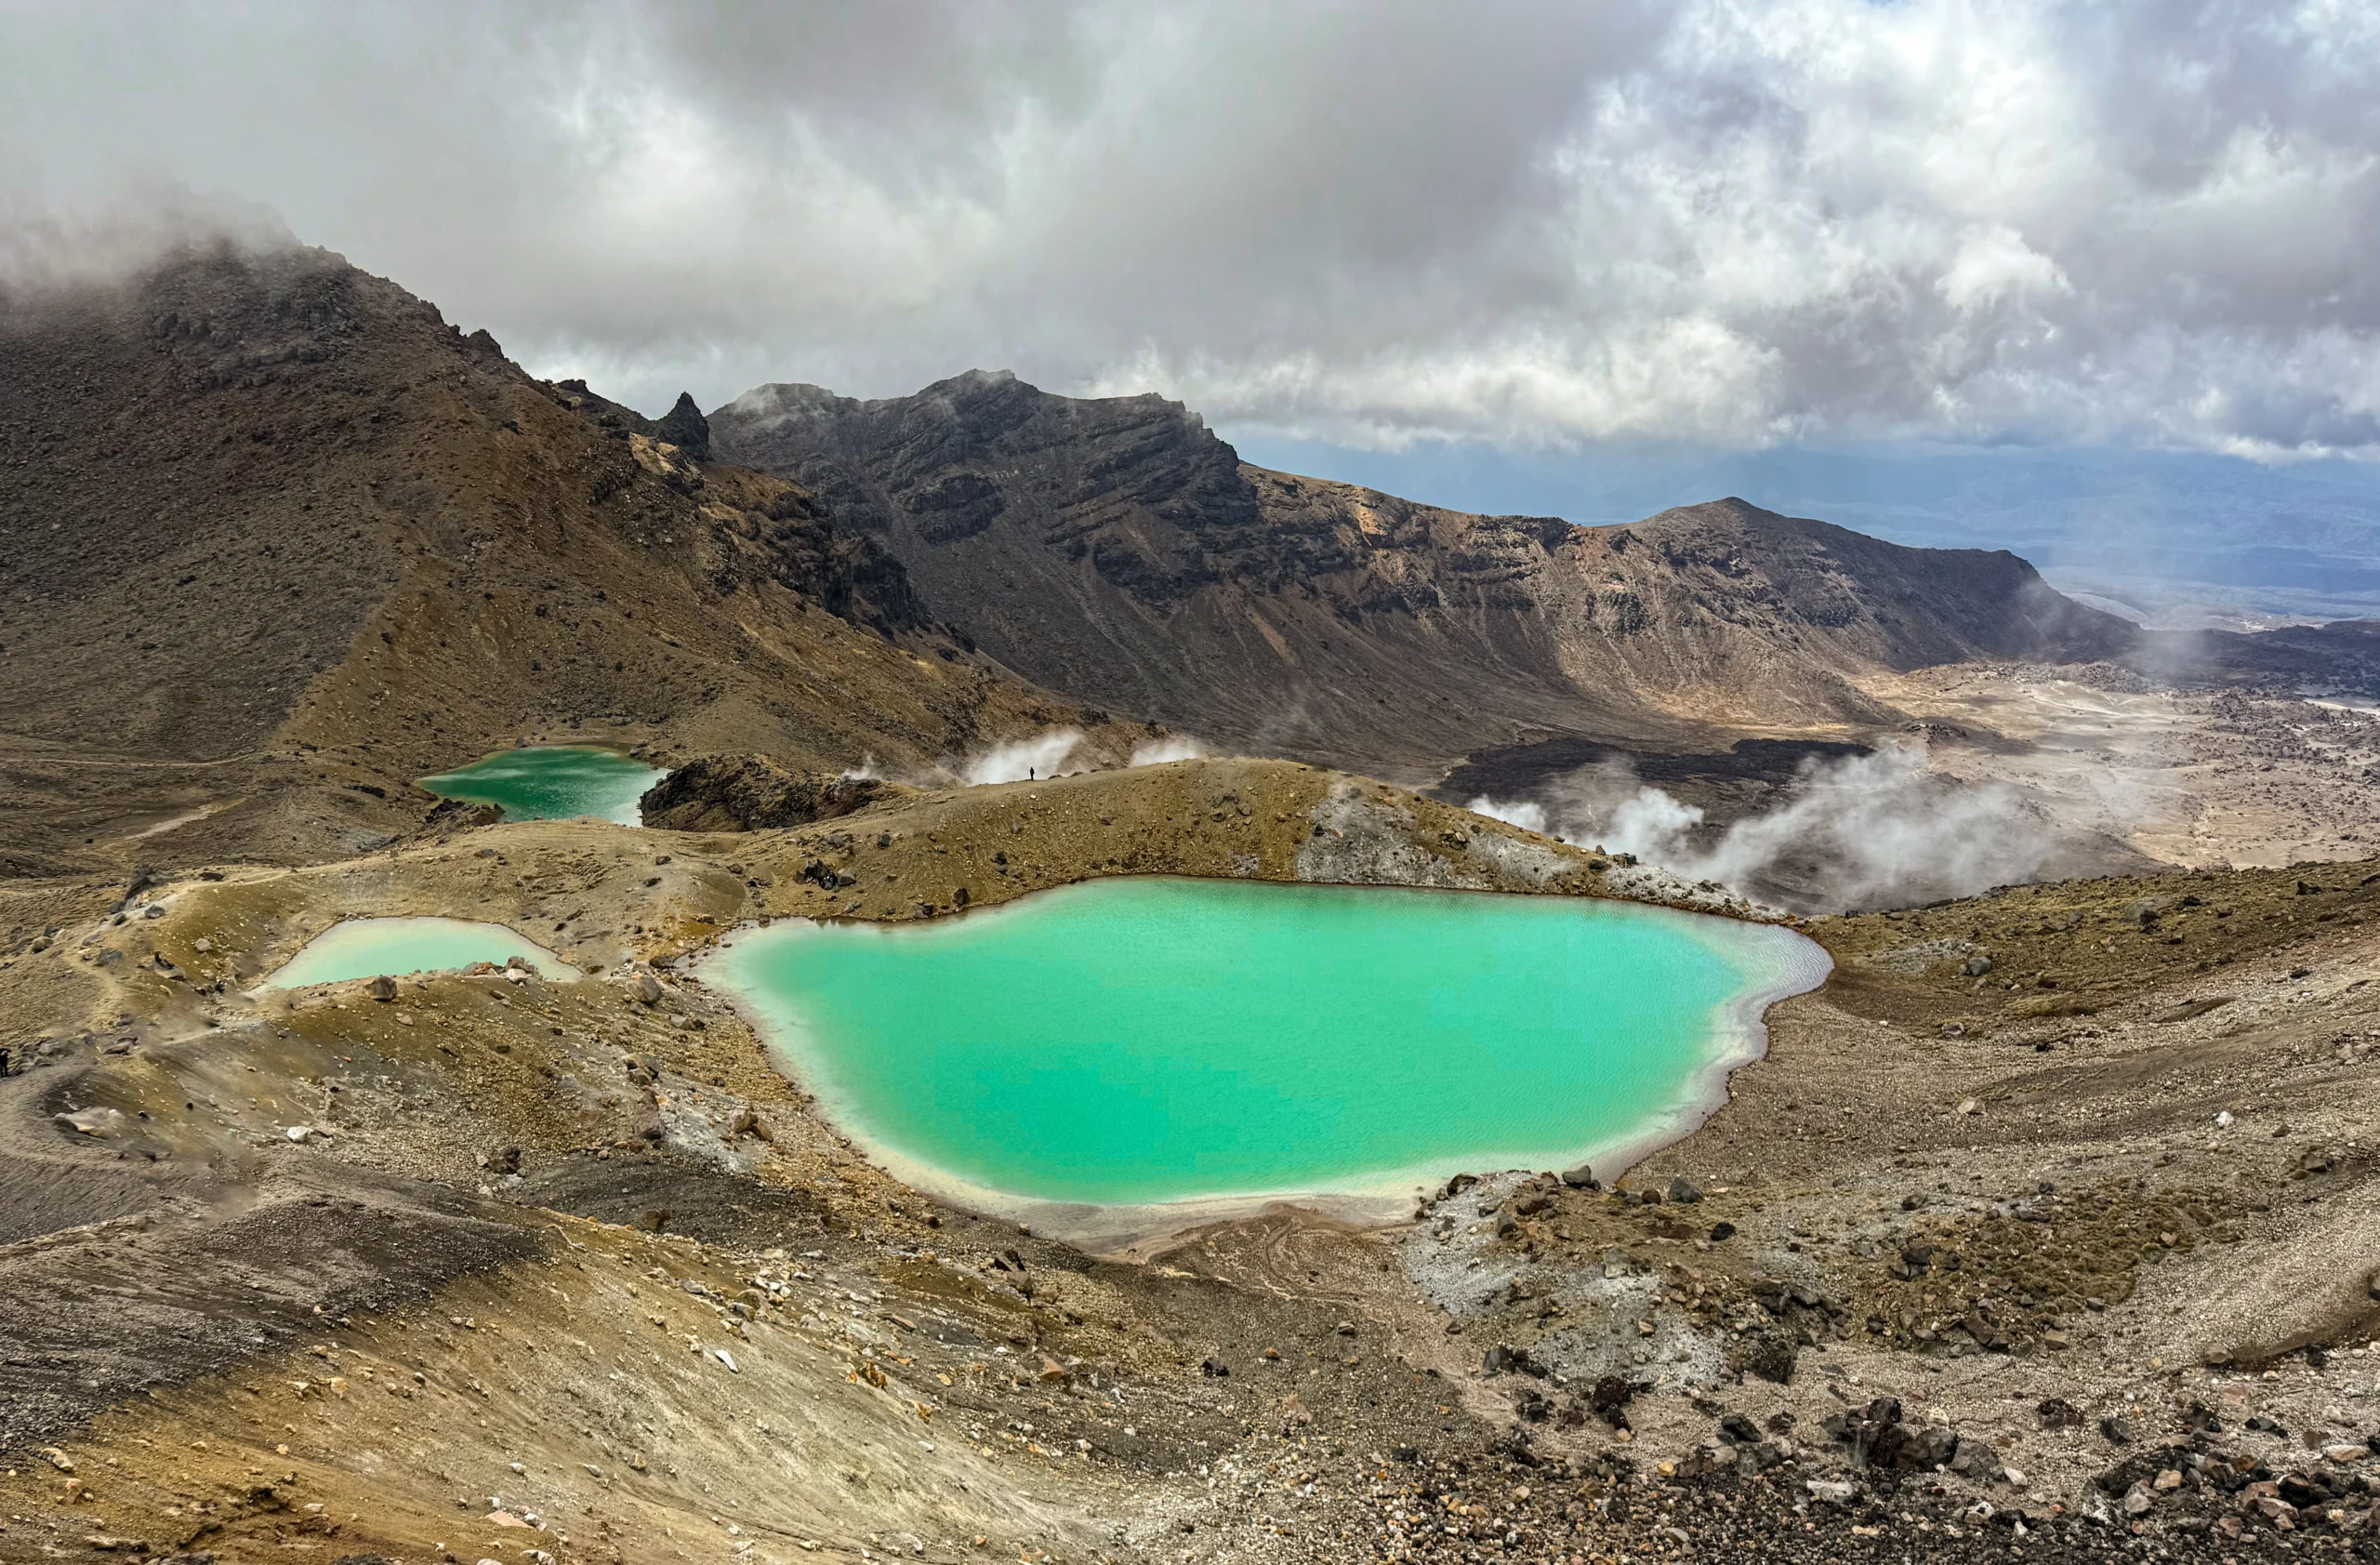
(1118, 550)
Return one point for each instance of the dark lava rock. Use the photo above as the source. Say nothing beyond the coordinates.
(1682, 1189)
(1770, 1356)
(1215, 1369)
(753, 794)
(1880, 1439)
(685, 428)
(1581, 1178)
(1735, 1429)
(1501, 1359)
(2056, 1413)
(457, 815)
(2142, 1469)
(1721, 1232)
(1610, 1399)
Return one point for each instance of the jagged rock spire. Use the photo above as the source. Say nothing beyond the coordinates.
(685, 428)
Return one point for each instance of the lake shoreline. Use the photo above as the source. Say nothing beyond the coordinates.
(1370, 1198)
(353, 949)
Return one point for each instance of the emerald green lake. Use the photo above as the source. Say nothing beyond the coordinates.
(1139, 1041)
(552, 782)
(369, 947)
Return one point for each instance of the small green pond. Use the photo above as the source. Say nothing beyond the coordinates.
(552, 782)
(1138, 1040)
(369, 947)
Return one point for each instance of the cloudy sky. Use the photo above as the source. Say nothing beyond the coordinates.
(1729, 225)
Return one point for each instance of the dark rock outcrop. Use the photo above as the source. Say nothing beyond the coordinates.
(606, 414)
(2344, 655)
(753, 794)
(1880, 1438)
(684, 427)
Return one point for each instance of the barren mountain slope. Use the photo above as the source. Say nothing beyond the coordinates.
(1117, 549)
(280, 537)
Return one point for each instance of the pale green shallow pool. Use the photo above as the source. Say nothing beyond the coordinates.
(1130, 1041)
(369, 947)
(552, 782)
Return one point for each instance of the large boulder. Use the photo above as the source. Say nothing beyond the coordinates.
(753, 794)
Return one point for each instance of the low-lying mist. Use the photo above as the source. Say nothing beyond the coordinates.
(1857, 832)
(108, 237)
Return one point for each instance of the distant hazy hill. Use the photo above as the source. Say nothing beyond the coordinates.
(2193, 538)
(1117, 549)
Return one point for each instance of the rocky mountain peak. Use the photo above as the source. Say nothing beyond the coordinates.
(684, 427)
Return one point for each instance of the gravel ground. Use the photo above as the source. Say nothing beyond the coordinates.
(1969, 1264)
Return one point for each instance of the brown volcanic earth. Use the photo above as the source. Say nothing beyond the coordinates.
(283, 539)
(2043, 1231)
(1118, 550)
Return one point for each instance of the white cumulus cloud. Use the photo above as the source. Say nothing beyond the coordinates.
(1712, 221)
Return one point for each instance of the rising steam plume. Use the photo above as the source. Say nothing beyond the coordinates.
(1046, 754)
(1858, 831)
(1173, 747)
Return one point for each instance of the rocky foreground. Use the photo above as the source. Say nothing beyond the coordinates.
(2045, 1230)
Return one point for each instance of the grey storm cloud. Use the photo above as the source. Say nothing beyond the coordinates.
(1708, 221)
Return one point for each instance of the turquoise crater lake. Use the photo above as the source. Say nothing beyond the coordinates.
(372, 947)
(1141, 1041)
(552, 782)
